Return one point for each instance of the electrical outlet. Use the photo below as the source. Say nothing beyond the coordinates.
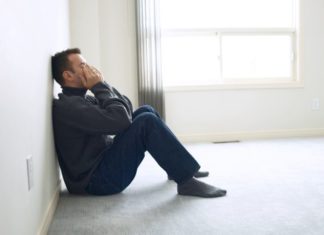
(315, 104)
(30, 172)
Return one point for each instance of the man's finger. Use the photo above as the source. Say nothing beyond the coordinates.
(96, 70)
(84, 81)
(86, 72)
(92, 72)
(83, 78)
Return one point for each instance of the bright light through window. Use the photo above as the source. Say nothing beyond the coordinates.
(215, 41)
(226, 13)
(190, 59)
(252, 57)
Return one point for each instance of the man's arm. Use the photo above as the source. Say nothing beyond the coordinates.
(129, 103)
(102, 91)
(91, 72)
(110, 117)
(123, 97)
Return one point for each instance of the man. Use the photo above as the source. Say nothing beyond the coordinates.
(94, 162)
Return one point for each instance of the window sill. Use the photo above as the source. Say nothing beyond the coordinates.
(236, 86)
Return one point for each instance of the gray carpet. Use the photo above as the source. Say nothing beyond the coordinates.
(274, 187)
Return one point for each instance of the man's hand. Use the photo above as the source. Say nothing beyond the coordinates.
(91, 76)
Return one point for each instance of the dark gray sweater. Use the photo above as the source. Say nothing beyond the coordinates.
(82, 128)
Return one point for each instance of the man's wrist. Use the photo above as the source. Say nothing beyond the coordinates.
(98, 84)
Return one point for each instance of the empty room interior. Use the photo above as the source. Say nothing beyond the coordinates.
(159, 117)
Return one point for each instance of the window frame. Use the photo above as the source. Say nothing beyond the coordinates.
(224, 83)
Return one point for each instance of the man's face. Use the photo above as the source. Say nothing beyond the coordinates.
(77, 63)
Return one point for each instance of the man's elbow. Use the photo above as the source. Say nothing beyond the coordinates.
(124, 122)
(121, 120)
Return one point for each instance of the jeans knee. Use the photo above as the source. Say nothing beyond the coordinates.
(146, 118)
(148, 108)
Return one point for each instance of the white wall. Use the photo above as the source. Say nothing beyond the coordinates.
(84, 29)
(105, 32)
(214, 114)
(31, 31)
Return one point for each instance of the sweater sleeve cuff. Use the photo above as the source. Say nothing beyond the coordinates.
(98, 86)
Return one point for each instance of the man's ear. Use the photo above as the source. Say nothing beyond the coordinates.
(67, 75)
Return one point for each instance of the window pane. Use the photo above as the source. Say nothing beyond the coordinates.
(190, 60)
(227, 13)
(256, 56)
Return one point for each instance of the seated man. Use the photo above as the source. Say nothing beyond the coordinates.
(90, 159)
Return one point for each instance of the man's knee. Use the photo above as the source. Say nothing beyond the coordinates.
(148, 108)
(146, 118)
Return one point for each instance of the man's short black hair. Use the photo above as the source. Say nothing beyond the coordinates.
(60, 63)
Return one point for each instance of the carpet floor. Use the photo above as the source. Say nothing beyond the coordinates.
(274, 187)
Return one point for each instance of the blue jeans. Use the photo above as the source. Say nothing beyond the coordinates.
(146, 133)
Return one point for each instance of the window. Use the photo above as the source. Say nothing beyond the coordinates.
(207, 42)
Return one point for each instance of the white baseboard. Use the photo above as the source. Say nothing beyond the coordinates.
(48, 217)
(231, 136)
